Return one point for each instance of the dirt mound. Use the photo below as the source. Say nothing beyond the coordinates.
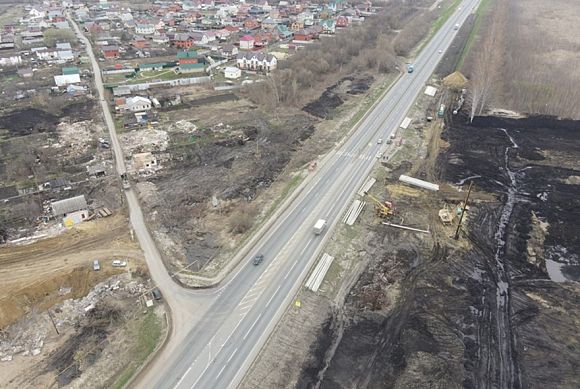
(455, 80)
(28, 121)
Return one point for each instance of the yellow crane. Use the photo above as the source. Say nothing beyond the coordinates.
(384, 209)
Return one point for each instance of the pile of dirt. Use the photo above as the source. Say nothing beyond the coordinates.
(335, 95)
(27, 121)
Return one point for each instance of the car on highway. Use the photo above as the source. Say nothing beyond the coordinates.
(440, 51)
(258, 258)
(96, 265)
(117, 263)
(380, 141)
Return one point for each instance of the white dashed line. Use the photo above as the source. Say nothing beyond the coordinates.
(252, 327)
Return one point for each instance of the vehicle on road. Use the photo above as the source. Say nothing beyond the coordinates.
(456, 27)
(258, 259)
(156, 293)
(96, 265)
(319, 226)
(410, 68)
(118, 263)
(440, 51)
(379, 141)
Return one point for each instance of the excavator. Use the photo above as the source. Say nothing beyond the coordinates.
(384, 209)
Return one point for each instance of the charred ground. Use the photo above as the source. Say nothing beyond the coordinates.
(483, 312)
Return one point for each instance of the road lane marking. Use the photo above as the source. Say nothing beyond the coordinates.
(252, 327)
(183, 377)
(273, 294)
(305, 247)
(220, 373)
(295, 263)
(232, 355)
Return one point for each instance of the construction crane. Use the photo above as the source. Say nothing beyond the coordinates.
(383, 209)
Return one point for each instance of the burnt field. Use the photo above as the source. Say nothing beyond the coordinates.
(490, 310)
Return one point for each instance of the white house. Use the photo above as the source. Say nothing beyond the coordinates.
(144, 29)
(247, 42)
(137, 103)
(66, 79)
(256, 61)
(232, 72)
(72, 210)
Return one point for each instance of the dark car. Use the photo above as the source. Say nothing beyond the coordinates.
(156, 294)
(258, 259)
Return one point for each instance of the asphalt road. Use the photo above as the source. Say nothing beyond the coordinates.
(218, 350)
(217, 334)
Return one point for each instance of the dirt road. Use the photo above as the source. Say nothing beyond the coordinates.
(32, 274)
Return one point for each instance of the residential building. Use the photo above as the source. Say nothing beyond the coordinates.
(110, 51)
(144, 161)
(73, 210)
(256, 61)
(247, 42)
(232, 72)
(137, 103)
(144, 29)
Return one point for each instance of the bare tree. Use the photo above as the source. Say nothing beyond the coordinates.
(488, 62)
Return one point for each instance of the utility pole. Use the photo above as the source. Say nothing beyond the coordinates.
(463, 210)
(52, 321)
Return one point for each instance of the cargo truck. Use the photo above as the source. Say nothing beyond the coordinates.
(319, 226)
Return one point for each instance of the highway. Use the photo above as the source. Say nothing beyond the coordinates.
(216, 334)
(218, 350)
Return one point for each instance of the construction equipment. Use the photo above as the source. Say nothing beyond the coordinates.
(383, 209)
(448, 215)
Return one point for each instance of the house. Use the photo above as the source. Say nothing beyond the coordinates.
(70, 70)
(137, 103)
(247, 42)
(232, 72)
(96, 170)
(154, 67)
(202, 37)
(63, 46)
(342, 22)
(187, 57)
(256, 61)
(283, 32)
(110, 51)
(269, 24)
(229, 51)
(303, 36)
(182, 41)
(140, 43)
(63, 80)
(161, 39)
(144, 161)
(47, 54)
(73, 210)
(328, 26)
(251, 24)
(76, 90)
(66, 55)
(297, 25)
(145, 29)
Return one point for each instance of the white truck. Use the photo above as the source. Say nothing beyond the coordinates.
(319, 226)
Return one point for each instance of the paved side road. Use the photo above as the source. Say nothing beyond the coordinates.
(186, 306)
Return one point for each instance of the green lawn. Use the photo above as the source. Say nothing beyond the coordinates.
(149, 334)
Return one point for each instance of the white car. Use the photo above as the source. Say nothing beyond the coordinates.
(119, 263)
(440, 51)
(379, 141)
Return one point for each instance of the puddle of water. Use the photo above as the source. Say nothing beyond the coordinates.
(555, 271)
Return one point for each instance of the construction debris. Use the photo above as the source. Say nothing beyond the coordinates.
(353, 212)
(317, 276)
(406, 228)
